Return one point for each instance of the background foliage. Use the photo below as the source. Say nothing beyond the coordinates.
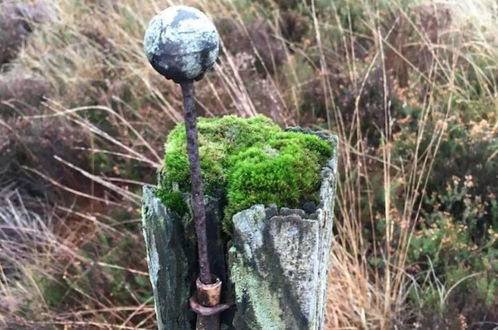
(410, 87)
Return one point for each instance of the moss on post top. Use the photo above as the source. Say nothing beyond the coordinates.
(245, 162)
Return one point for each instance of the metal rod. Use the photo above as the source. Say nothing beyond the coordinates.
(195, 177)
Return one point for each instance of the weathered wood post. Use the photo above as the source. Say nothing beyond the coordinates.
(273, 267)
(279, 259)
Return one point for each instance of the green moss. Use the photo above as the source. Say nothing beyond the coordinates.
(173, 200)
(245, 162)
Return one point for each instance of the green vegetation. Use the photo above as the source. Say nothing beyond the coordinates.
(245, 162)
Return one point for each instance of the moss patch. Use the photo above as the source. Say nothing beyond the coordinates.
(245, 162)
(173, 200)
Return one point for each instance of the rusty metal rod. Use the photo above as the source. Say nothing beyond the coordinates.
(196, 180)
(182, 43)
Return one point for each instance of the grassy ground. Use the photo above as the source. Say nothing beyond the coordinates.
(410, 87)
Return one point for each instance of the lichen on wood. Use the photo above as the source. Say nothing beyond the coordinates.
(171, 262)
(278, 262)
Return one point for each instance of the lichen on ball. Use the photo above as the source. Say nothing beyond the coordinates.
(181, 43)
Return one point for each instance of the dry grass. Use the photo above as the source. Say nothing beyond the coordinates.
(101, 84)
(360, 295)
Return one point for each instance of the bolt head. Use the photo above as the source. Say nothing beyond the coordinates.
(181, 43)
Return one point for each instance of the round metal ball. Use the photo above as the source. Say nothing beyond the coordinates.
(181, 43)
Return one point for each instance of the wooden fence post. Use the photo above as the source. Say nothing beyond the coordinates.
(276, 268)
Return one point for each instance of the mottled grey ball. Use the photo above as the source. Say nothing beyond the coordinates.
(181, 43)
